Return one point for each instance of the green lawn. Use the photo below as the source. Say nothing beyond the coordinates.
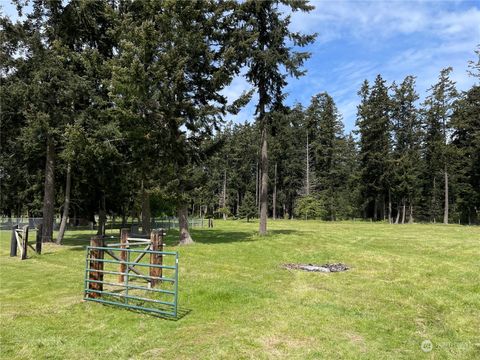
(408, 283)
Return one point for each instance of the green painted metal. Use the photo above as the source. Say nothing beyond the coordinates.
(124, 297)
(132, 263)
(136, 275)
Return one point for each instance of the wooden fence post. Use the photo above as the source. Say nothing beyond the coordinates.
(38, 239)
(13, 242)
(96, 241)
(24, 242)
(123, 254)
(156, 239)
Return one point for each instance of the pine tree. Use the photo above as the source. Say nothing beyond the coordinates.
(328, 142)
(438, 108)
(52, 78)
(373, 121)
(466, 145)
(266, 52)
(406, 153)
(175, 58)
(248, 209)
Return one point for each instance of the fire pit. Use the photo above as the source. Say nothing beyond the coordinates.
(337, 267)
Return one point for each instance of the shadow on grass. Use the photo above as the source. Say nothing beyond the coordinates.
(80, 241)
(202, 236)
(181, 312)
(222, 237)
(211, 237)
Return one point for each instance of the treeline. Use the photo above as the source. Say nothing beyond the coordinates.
(116, 108)
(406, 161)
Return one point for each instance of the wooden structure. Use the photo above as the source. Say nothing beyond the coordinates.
(96, 277)
(19, 241)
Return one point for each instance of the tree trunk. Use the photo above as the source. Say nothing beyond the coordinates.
(445, 211)
(307, 182)
(238, 203)
(274, 200)
(224, 205)
(184, 236)
(410, 215)
(66, 206)
(146, 221)
(264, 183)
(397, 219)
(383, 209)
(259, 190)
(256, 185)
(389, 207)
(403, 212)
(434, 201)
(49, 193)
(102, 215)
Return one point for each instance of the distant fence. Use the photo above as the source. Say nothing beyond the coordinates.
(172, 222)
(7, 223)
(112, 223)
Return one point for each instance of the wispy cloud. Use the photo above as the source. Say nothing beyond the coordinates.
(336, 19)
(359, 39)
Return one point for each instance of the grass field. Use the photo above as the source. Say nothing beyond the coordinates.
(407, 284)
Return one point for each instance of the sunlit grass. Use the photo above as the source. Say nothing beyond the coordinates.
(407, 284)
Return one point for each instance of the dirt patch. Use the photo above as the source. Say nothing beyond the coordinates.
(336, 267)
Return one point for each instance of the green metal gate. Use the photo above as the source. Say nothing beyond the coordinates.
(155, 291)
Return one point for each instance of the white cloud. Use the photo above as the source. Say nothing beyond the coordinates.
(360, 19)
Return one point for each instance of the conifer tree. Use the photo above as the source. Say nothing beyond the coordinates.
(406, 153)
(373, 121)
(55, 90)
(466, 144)
(438, 108)
(248, 208)
(175, 58)
(266, 52)
(328, 145)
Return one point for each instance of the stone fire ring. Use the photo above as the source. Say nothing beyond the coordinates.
(326, 268)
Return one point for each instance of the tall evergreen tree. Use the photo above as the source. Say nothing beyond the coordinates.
(466, 144)
(175, 58)
(52, 77)
(438, 108)
(373, 121)
(328, 144)
(267, 51)
(406, 153)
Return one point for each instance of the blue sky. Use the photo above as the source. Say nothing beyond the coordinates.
(359, 39)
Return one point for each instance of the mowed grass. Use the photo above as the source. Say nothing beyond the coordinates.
(408, 283)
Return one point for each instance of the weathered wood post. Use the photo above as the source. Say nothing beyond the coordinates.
(24, 242)
(38, 239)
(13, 242)
(123, 254)
(96, 241)
(156, 239)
